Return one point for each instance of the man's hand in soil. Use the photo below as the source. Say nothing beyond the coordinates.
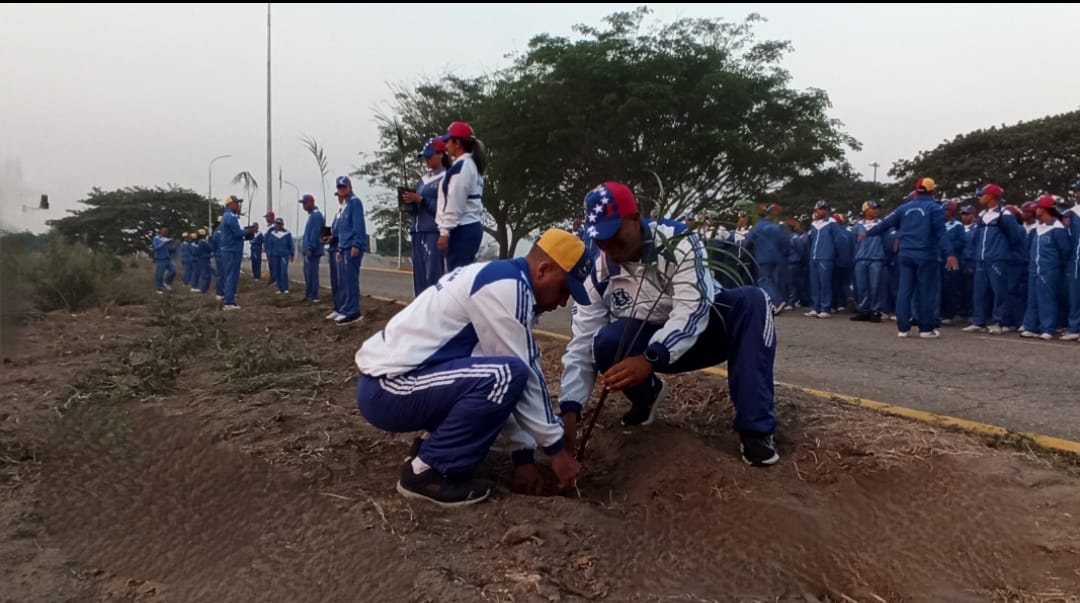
(526, 480)
(628, 373)
(569, 420)
(566, 468)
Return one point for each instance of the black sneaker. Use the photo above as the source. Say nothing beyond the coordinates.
(640, 416)
(861, 317)
(439, 489)
(758, 450)
(875, 317)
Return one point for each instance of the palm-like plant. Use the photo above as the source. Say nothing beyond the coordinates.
(250, 186)
(320, 160)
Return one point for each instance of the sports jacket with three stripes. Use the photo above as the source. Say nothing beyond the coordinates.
(482, 310)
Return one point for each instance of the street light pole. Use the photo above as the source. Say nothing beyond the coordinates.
(875, 165)
(296, 224)
(210, 192)
(269, 162)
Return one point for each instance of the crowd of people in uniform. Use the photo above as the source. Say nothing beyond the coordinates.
(930, 262)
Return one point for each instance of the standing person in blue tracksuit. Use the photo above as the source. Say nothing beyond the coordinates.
(798, 279)
(952, 281)
(461, 201)
(312, 248)
(696, 324)
(869, 267)
(769, 245)
(231, 250)
(164, 271)
(256, 252)
(1072, 268)
(422, 205)
(337, 291)
(203, 253)
(1050, 250)
(1018, 267)
(280, 249)
(185, 278)
(843, 265)
(824, 232)
(189, 252)
(890, 242)
(271, 266)
(997, 233)
(461, 362)
(352, 244)
(967, 261)
(921, 224)
(219, 265)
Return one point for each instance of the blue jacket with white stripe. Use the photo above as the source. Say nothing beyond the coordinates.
(768, 243)
(920, 224)
(997, 235)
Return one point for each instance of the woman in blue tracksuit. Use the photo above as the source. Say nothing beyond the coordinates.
(203, 253)
(824, 232)
(1073, 269)
(768, 243)
(844, 265)
(337, 293)
(461, 201)
(967, 261)
(352, 244)
(952, 281)
(798, 280)
(427, 260)
(281, 251)
(997, 234)
(164, 271)
(256, 251)
(1049, 254)
(869, 267)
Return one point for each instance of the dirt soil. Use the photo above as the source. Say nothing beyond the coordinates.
(167, 451)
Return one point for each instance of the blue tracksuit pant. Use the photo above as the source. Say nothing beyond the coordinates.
(925, 276)
(463, 403)
(740, 331)
(256, 266)
(427, 260)
(281, 271)
(463, 245)
(164, 273)
(272, 268)
(350, 277)
(206, 272)
(230, 269)
(1042, 304)
(991, 290)
(821, 285)
(1016, 277)
(1072, 281)
(869, 288)
(769, 279)
(337, 294)
(311, 277)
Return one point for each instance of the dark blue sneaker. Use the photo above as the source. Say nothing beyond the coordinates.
(640, 416)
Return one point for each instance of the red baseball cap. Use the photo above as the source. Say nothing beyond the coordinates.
(1028, 207)
(458, 129)
(993, 190)
(269, 216)
(1046, 202)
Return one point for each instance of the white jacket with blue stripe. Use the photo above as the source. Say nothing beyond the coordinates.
(671, 286)
(482, 309)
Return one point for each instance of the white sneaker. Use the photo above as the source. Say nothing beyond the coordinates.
(286, 292)
(278, 292)
(314, 301)
(168, 287)
(930, 334)
(1007, 329)
(1028, 334)
(160, 292)
(891, 317)
(811, 314)
(974, 329)
(231, 307)
(994, 330)
(904, 334)
(219, 298)
(194, 290)
(1046, 337)
(946, 321)
(332, 316)
(824, 315)
(1071, 337)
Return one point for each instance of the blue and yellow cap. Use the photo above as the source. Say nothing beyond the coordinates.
(568, 252)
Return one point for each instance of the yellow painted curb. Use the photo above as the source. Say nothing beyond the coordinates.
(401, 271)
(983, 429)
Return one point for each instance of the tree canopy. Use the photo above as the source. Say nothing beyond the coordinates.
(697, 108)
(1025, 159)
(124, 221)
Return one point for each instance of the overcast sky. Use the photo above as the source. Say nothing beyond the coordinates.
(110, 96)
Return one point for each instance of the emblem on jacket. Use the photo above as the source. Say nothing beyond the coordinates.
(621, 299)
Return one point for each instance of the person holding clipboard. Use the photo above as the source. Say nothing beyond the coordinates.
(427, 260)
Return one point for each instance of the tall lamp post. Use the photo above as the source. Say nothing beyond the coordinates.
(210, 192)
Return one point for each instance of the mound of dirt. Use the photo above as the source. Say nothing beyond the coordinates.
(168, 452)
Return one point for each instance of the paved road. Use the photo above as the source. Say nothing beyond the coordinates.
(1018, 384)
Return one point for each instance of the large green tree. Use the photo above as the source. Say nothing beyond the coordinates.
(842, 187)
(1026, 159)
(694, 114)
(124, 221)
